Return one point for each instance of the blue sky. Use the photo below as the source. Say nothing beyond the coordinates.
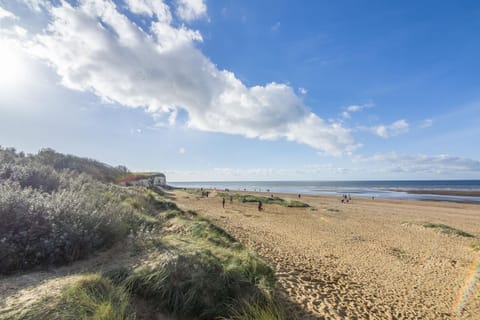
(247, 90)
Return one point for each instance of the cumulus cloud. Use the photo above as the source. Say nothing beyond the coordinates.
(189, 10)
(394, 129)
(94, 47)
(150, 8)
(5, 14)
(354, 108)
(436, 164)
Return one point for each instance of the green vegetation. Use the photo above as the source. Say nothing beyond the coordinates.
(98, 170)
(268, 311)
(52, 213)
(89, 297)
(265, 200)
(56, 209)
(210, 273)
(475, 246)
(443, 228)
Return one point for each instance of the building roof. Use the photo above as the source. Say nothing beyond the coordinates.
(139, 176)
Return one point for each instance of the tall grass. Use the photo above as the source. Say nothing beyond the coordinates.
(255, 311)
(208, 273)
(91, 297)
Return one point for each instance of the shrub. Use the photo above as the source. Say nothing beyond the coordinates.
(41, 228)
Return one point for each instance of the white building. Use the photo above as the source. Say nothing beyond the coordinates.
(147, 180)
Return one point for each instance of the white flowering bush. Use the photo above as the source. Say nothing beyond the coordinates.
(55, 216)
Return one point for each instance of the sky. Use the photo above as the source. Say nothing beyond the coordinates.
(247, 90)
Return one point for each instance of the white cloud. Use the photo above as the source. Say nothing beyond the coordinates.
(190, 10)
(302, 90)
(5, 14)
(95, 48)
(182, 150)
(354, 108)
(394, 129)
(37, 5)
(429, 164)
(426, 123)
(150, 8)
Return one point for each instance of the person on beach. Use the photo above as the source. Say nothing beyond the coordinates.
(231, 199)
(260, 205)
(223, 202)
(299, 196)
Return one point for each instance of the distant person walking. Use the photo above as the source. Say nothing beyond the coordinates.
(299, 196)
(260, 206)
(231, 199)
(223, 202)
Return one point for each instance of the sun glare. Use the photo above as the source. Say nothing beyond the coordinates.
(13, 67)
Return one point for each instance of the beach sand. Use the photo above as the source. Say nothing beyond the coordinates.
(368, 259)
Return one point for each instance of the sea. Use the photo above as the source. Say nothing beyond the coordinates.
(377, 189)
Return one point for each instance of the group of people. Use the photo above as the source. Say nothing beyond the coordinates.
(260, 204)
(346, 198)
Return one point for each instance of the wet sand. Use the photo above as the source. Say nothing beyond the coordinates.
(463, 193)
(368, 259)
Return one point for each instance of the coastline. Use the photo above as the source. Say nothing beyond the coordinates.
(447, 196)
(463, 193)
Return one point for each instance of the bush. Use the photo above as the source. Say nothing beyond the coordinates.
(53, 214)
(42, 228)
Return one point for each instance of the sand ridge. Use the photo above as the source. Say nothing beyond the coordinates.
(368, 259)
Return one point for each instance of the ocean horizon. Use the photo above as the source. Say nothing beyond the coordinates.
(386, 189)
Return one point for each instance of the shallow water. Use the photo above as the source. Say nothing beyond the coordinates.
(378, 189)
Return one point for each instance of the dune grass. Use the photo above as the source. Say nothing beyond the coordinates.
(92, 297)
(208, 273)
(475, 246)
(265, 200)
(56, 209)
(266, 311)
(443, 228)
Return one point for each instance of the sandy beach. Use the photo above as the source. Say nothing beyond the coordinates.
(368, 259)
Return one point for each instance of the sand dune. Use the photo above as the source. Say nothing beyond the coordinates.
(369, 259)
